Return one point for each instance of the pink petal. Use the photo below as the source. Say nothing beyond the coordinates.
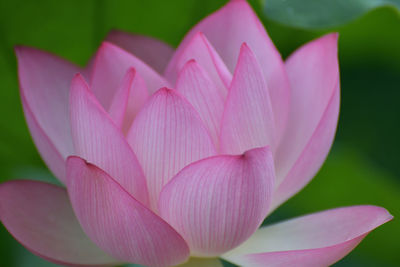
(117, 222)
(202, 51)
(152, 51)
(128, 100)
(194, 83)
(227, 29)
(120, 100)
(111, 64)
(51, 156)
(137, 97)
(317, 240)
(166, 136)
(248, 120)
(44, 81)
(40, 217)
(98, 139)
(218, 202)
(314, 74)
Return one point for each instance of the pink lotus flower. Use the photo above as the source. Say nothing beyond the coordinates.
(154, 176)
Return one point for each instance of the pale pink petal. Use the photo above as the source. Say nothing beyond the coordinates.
(314, 75)
(120, 100)
(41, 218)
(196, 86)
(138, 95)
(51, 156)
(248, 120)
(227, 29)
(44, 84)
(218, 202)
(152, 51)
(117, 222)
(202, 51)
(98, 139)
(166, 136)
(111, 64)
(128, 100)
(317, 240)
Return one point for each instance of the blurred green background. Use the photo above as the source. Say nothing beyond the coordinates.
(363, 166)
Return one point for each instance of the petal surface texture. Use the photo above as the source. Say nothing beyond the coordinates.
(117, 222)
(152, 51)
(314, 75)
(218, 202)
(119, 103)
(196, 86)
(111, 64)
(317, 240)
(40, 216)
(44, 83)
(231, 26)
(98, 140)
(205, 55)
(138, 96)
(166, 136)
(248, 120)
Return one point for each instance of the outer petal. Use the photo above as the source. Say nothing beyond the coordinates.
(44, 82)
(110, 66)
(97, 139)
(119, 223)
(50, 154)
(166, 136)
(314, 75)
(194, 83)
(248, 120)
(218, 202)
(318, 239)
(152, 51)
(202, 51)
(227, 29)
(40, 217)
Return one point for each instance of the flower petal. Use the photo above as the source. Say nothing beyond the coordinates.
(314, 75)
(196, 86)
(128, 100)
(98, 139)
(202, 51)
(152, 51)
(166, 136)
(227, 29)
(120, 100)
(137, 97)
(218, 202)
(117, 222)
(318, 239)
(248, 120)
(110, 66)
(40, 217)
(44, 83)
(51, 156)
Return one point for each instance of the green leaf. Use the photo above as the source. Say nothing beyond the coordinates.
(313, 14)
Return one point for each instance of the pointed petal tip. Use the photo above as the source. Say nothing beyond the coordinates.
(19, 49)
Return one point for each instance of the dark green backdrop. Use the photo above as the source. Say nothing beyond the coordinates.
(363, 166)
